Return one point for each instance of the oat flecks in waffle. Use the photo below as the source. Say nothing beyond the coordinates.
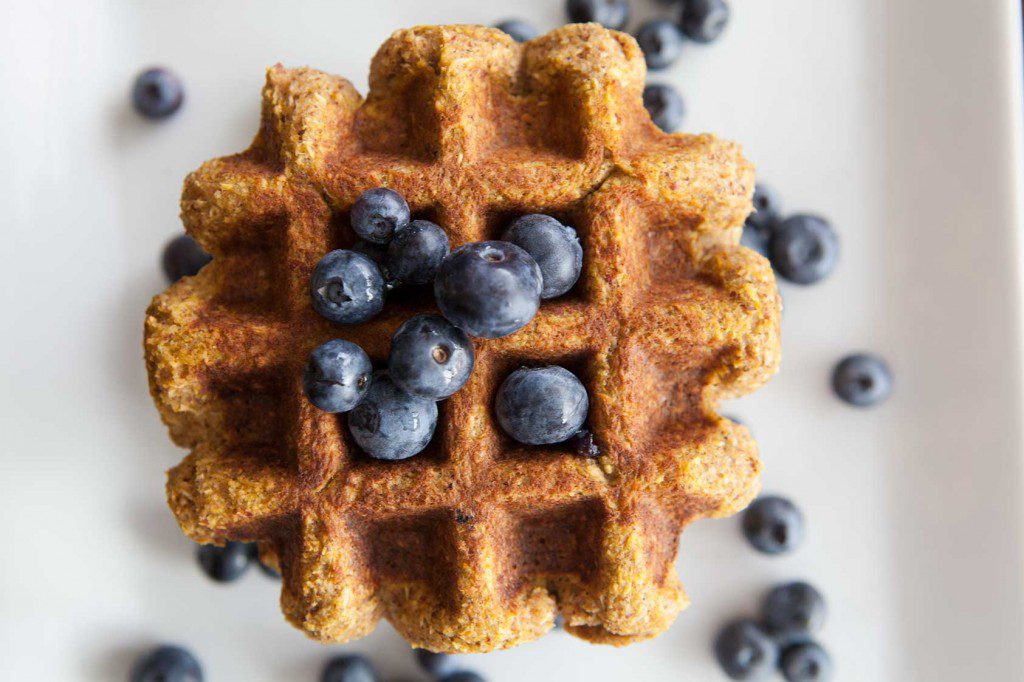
(478, 542)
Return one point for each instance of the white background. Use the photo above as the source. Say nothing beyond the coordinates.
(897, 120)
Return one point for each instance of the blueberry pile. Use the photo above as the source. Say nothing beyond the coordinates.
(357, 668)
(701, 21)
(802, 248)
(171, 663)
(484, 289)
(662, 40)
(782, 638)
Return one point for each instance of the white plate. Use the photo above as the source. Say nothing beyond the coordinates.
(898, 120)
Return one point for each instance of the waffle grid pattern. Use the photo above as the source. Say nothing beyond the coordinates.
(478, 542)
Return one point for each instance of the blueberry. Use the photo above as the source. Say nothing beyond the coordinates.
(337, 375)
(391, 424)
(520, 30)
(183, 257)
(430, 357)
(462, 676)
(806, 662)
(554, 246)
(378, 213)
(773, 525)
(767, 207)
(541, 405)
(758, 228)
(794, 608)
(804, 249)
(224, 564)
(350, 668)
(167, 664)
(862, 380)
(745, 651)
(436, 664)
(704, 20)
(347, 287)
(661, 42)
(157, 93)
(611, 14)
(488, 289)
(416, 252)
(665, 106)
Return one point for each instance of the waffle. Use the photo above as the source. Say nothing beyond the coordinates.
(478, 542)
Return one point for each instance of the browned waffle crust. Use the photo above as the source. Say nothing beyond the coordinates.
(476, 543)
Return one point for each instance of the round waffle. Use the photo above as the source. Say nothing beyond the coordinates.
(476, 543)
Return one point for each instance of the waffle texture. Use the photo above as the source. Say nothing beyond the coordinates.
(478, 542)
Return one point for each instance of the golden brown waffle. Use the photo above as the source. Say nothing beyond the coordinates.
(476, 543)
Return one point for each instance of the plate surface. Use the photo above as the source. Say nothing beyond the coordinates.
(897, 120)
